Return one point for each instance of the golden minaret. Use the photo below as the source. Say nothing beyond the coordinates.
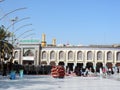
(43, 42)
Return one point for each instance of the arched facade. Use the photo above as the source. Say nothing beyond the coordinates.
(99, 55)
(16, 54)
(79, 55)
(109, 56)
(70, 55)
(52, 55)
(84, 55)
(89, 55)
(44, 55)
(61, 55)
(74, 55)
(118, 56)
(28, 53)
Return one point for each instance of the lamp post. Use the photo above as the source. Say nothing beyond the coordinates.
(17, 22)
(13, 21)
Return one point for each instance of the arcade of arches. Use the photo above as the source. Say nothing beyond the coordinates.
(74, 56)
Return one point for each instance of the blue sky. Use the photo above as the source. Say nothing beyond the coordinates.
(69, 21)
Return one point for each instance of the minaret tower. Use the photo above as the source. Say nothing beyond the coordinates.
(43, 42)
(54, 42)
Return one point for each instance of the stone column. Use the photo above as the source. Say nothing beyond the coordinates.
(19, 59)
(36, 57)
(21, 56)
(84, 59)
(65, 65)
(95, 60)
(104, 59)
(115, 58)
(84, 64)
(74, 66)
(94, 66)
(119, 71)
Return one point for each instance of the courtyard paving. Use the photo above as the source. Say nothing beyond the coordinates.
(47, 82)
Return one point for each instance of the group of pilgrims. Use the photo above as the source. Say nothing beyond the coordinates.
(89, 72)
(59, 71)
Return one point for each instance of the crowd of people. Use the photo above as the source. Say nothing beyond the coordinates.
(101, 71)
(78, 71)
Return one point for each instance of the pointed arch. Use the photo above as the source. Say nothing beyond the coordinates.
(109, 55)
(44, 55)
(52, 55)
(70, 55)
(99, 55)
(61, 55)
(16, 54)
(79, 55)
(89, 55)
(29, 53)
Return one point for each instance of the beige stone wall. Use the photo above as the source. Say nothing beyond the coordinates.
(84, 55)
(66, 59)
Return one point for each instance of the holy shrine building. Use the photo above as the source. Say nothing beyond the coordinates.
(40, 53)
